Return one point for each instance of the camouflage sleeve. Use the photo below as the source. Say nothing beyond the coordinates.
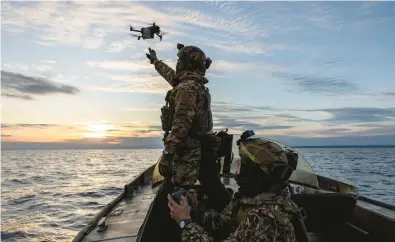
(259, 225)
(184, 112)
(166, 72)
(194, 233)
(252, 228)
(218, 225)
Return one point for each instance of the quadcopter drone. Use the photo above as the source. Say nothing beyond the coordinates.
(148, 32)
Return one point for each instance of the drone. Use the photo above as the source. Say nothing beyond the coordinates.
(148, 32)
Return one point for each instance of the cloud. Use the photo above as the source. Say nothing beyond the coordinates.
(48, 61)
(130, 65)
(223, 121)
(140, 109)
(319, 84)
(323, 122)
(118, 46)
(225, 107)
(17, 96)
(45, 69)
(241, 45)
(360, 114)
(234, 24)
(41, 126)
(224, 66)
(16, 85)
(324, 115)
(88, 23)
(136, 84)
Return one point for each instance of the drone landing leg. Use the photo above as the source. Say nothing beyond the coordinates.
(160, 36)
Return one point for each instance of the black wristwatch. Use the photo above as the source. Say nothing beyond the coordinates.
(184, 223)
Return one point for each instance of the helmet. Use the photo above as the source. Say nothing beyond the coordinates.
(264, 153)
(191, 58)
(263, 163)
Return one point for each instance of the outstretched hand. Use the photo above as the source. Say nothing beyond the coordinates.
(152, 55)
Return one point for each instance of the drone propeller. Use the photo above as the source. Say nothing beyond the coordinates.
(134, 35)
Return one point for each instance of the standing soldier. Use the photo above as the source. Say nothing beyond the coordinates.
(186, 116)
(190, 144)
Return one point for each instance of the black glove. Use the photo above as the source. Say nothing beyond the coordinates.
(152, 55)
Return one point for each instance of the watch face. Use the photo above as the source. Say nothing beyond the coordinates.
(182, 224)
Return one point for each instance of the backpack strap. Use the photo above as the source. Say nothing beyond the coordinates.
(297, 219)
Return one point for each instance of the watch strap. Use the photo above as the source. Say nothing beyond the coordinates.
(186, 222)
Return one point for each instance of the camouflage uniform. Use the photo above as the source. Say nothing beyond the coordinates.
(189, 102)
(264, 217)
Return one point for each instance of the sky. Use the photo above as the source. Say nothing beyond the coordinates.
(304, 73)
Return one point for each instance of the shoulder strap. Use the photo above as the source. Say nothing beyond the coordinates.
(168, 97)
(297, 219)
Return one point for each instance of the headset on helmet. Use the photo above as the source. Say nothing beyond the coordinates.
(278, 172)
(208, 60)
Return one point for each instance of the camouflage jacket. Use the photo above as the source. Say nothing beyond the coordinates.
(189, 106)
(265, 217)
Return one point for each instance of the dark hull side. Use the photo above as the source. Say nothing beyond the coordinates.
(331, 216)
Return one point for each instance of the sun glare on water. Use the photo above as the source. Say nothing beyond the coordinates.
(97, 131)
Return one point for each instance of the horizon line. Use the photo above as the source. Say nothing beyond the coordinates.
(138, 148)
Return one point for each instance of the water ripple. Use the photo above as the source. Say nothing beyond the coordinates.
(52, 195)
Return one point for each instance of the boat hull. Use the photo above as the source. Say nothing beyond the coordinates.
(331, 215)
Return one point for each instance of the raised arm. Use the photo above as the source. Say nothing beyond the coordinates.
(166, 72)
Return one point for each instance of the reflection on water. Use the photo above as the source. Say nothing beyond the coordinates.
(51, 195)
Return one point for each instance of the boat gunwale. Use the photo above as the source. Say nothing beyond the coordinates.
(135, 183)
(377, 203)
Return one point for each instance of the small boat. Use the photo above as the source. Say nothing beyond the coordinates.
(335, 211)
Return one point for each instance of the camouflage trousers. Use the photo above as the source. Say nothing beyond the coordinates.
(185, 167)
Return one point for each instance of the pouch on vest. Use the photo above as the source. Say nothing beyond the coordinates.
(165, 165)
(166, 117)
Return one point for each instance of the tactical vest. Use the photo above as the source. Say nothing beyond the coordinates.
(202, 121)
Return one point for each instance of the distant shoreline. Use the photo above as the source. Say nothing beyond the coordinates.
(347, 146)
(147, 148)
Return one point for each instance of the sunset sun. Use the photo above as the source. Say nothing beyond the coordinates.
(97, 131)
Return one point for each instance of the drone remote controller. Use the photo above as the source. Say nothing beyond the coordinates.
(176, 195)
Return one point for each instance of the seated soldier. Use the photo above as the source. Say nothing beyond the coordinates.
(261, 210)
